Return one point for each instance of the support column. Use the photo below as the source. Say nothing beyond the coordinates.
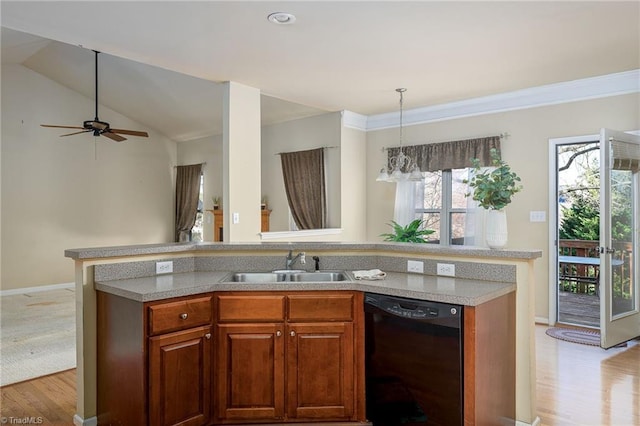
(241, 163)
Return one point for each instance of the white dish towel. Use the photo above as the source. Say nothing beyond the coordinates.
(371, 274)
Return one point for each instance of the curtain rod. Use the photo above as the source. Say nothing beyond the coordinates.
(503, 135)
(203, 164)
(323, 147)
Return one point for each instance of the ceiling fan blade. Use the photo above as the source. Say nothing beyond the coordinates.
(61, 127)
(114, 137)
(130, 132)
(76, 133)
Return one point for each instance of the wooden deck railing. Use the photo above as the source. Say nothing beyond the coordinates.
(580, 277)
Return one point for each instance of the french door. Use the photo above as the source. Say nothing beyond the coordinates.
(619, 274)
(613, 255)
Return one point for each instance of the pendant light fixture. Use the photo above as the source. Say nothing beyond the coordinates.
(400, 162)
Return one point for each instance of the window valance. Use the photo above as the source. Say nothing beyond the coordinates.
(449, 155)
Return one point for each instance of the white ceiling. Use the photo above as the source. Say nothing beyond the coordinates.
(161, 58)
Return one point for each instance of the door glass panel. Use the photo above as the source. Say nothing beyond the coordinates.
(625, 159)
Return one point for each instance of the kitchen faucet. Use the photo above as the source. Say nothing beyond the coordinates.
(291, 259)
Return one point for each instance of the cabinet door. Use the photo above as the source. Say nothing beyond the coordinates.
(250, 372)
(320, 370)
(180, 377)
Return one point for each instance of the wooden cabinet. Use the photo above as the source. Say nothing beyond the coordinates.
(320, 371)
(180, 377)
(250, 372)
(231, 358)
(309, 338)
(154, 361)
(218, 221)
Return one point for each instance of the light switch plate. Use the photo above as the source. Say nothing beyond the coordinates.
(537, 216)
(236, 218)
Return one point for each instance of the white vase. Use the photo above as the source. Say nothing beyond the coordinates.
(496, 229)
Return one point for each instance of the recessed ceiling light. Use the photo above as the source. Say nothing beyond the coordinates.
(282, 18)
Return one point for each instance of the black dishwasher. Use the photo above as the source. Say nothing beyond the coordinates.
(413, 361)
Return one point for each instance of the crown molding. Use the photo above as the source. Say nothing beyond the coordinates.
(616, 84)
(353, 120)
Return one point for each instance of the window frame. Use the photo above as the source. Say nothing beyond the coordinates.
(446, 210)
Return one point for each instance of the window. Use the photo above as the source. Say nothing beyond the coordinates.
(444, 205)
(197, 232)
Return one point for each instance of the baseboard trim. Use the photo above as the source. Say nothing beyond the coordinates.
(27, 290)
(79, 421)
(542, 320)
(535, 422)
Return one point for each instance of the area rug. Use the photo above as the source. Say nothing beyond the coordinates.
(37, 335)
(573, 335)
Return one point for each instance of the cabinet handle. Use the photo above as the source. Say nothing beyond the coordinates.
(207, 336)
(278, 333)
(292, 334)
(183, 316)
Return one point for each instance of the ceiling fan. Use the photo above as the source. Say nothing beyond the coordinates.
(99, 127)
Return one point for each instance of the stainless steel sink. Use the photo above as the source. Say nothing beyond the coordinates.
(258, 277)
(288, 276)
(319, 276)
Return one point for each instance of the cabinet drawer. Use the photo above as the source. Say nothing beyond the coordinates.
(179, 315)
(321, 307)
(242, 308)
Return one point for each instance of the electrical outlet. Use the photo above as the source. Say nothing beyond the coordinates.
(415, 266)
(164, 267)
(446, 269)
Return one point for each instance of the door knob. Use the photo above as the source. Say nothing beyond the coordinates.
(183, 316)
(292, 334)
(278, 333)
(207, 336)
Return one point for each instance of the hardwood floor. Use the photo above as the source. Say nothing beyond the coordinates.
(586, 385)
(48, 400)
(576, 385)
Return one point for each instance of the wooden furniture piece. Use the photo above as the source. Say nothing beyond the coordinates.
(218, 221)
(279, 357)
(313, 339)
(180, 361)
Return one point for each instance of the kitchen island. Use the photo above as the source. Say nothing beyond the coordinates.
(129, 273)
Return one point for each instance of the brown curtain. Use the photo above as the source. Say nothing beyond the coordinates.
(303, 174)
(187, 190)
(449, 155)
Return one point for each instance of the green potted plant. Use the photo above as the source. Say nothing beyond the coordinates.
(216, 202)
(411, 233)
(494, 190)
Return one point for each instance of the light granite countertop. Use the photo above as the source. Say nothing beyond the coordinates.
(416, 286)
(176, 248)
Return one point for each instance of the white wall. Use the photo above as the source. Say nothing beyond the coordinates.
(298, 135)
(353, 184)
(205, 150)
(77, 191)
(526, 150)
